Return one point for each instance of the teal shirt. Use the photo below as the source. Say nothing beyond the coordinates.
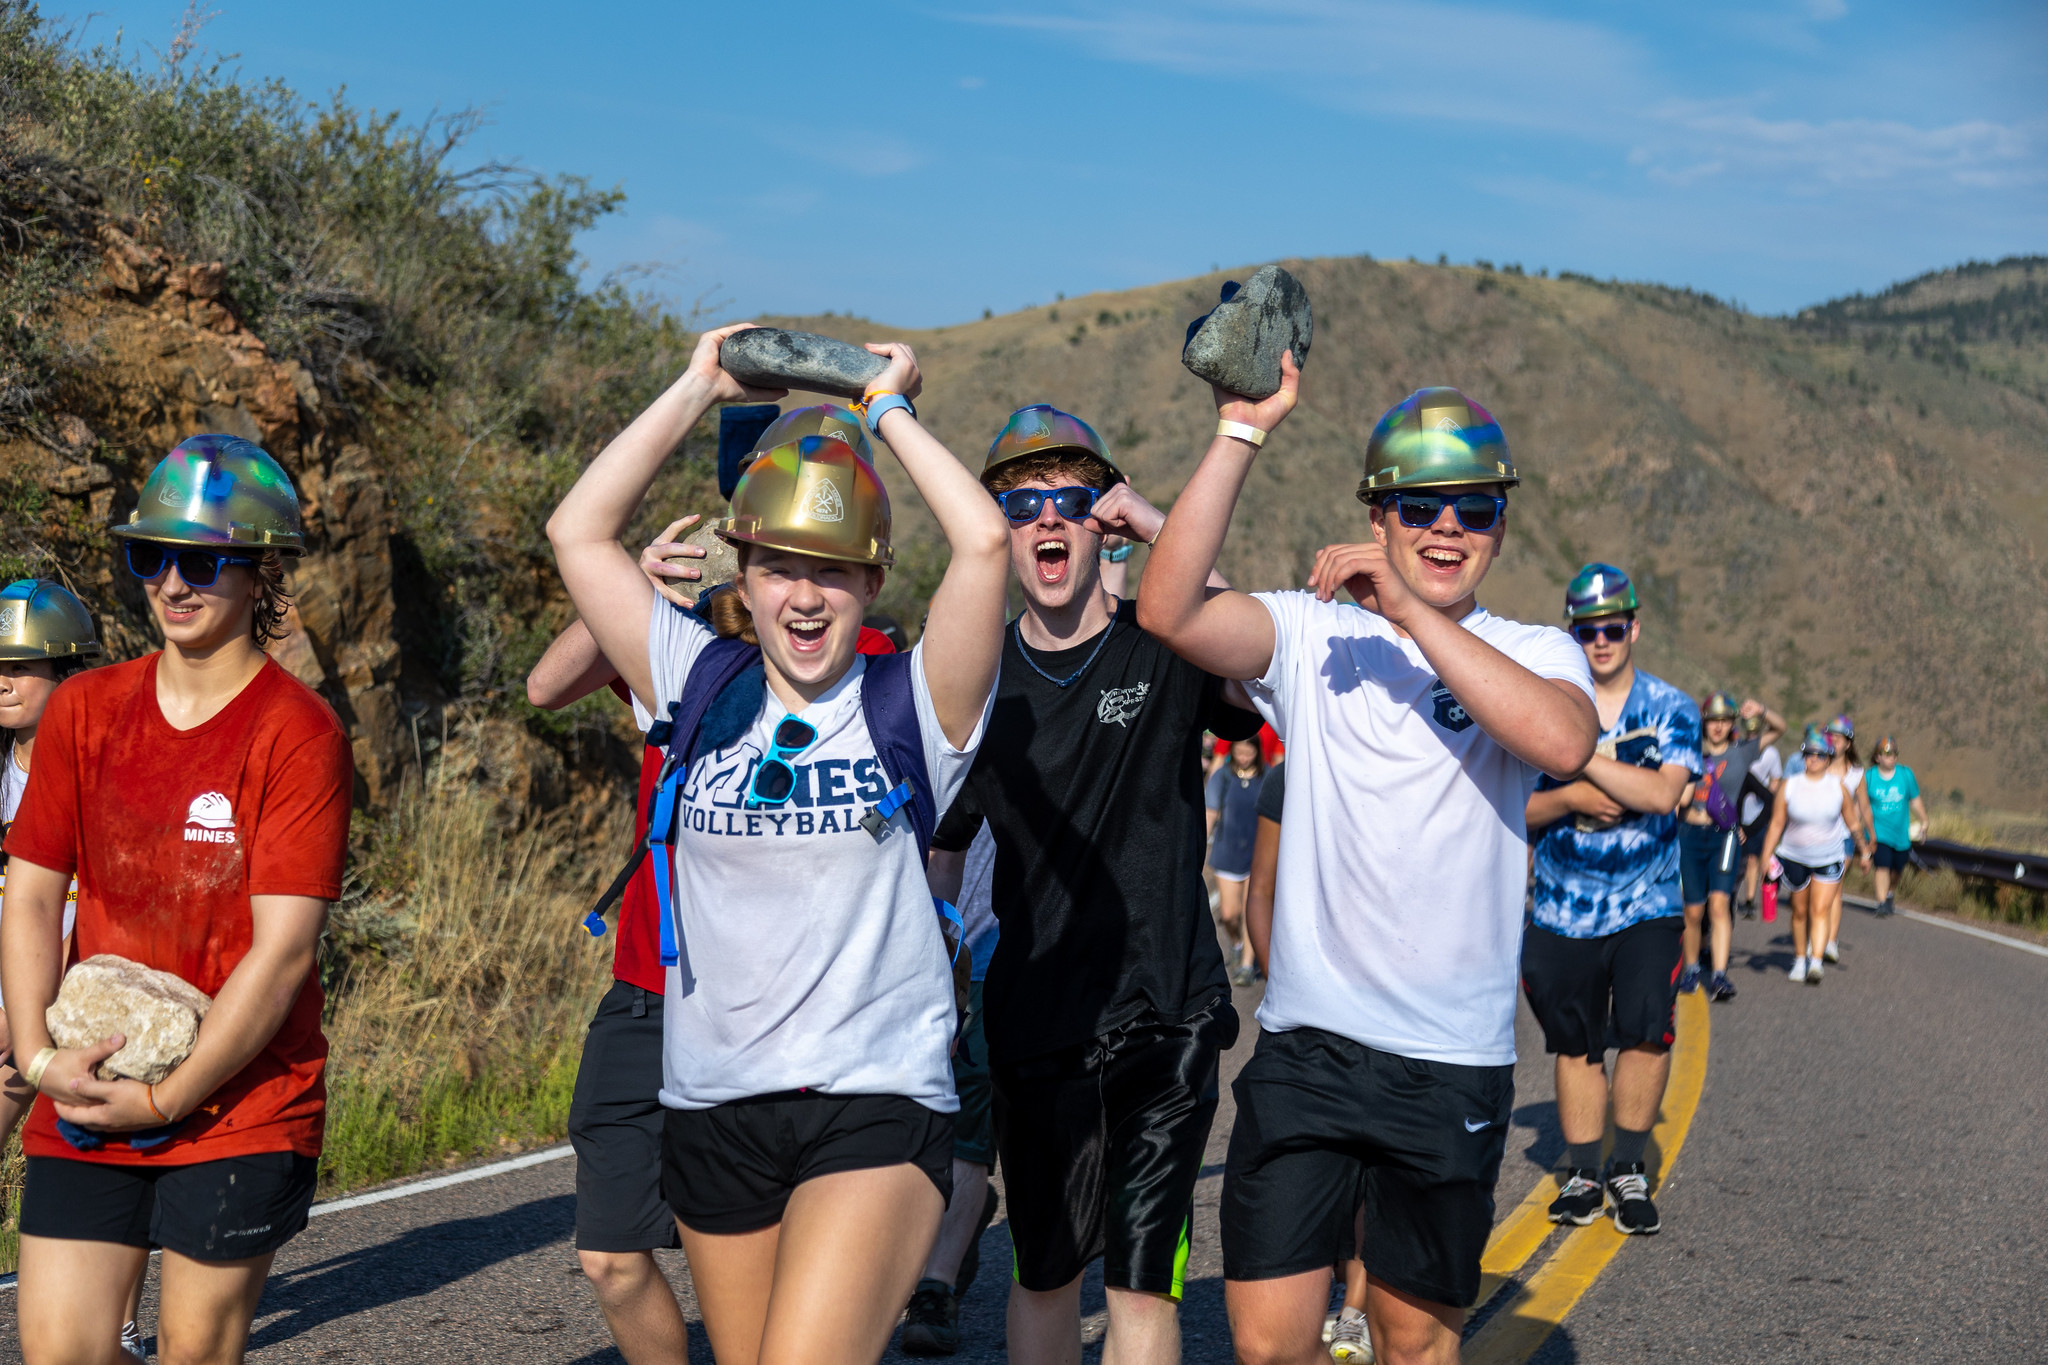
(1890, 804)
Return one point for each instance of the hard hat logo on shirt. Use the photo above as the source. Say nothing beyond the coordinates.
(210, 820)
(1449, 714)
(1120, 704)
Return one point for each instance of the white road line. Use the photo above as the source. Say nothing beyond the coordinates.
(1972, 930)
(439, 1182)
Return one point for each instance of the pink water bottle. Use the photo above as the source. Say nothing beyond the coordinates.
(1770, 900)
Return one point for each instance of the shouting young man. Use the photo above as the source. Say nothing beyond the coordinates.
(1603, 951)
(1106, 1002)
(1416, 724)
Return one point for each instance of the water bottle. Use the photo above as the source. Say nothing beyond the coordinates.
(1770, 900)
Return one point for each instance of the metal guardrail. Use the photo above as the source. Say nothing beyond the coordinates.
(1994, 864)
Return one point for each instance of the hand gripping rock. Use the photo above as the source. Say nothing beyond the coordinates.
(156, 1012)
(772, 358)
(1237, 344)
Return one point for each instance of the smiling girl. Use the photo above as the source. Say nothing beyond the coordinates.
(807, 1139)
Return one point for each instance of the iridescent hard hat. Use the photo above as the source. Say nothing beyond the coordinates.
(1815, 741)
(1432, 438)
(1598, 590)
(1843, 726)
(1043, 429)
(221, 492)
(822, 419)
(1887, 745)
(1721, 706)
(814, 496)
(40, 619)
(1750, 725)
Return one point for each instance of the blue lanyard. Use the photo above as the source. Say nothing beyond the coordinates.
(1073, 677)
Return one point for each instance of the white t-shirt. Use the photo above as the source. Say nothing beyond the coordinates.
(1814, 829)
(13, 785)
(810, 953)
(1768, 768)
(1397, 915)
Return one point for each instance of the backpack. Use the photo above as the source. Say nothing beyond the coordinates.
(720, 700)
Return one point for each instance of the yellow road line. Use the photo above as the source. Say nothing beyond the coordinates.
(1514, 1333)
(1517, 1238)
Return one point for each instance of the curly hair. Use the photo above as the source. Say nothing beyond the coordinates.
(1052, 467)
(273, 599)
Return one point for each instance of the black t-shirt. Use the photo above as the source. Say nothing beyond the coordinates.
(1272, 796)
(1094, 794)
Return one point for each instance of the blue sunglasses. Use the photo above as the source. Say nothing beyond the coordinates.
(774, 780)
(149, 560)
(1021, 505)
(1476, 511)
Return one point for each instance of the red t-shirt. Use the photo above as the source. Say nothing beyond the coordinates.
(170, 832)
(1270, 747)
(636, 955)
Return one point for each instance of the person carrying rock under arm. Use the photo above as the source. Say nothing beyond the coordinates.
(201, 795)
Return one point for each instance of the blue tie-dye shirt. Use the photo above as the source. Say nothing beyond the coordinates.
(1593, 879)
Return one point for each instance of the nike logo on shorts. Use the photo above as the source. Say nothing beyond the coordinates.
(1472, 1127)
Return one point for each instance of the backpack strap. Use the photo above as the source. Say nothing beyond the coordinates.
(889, 704)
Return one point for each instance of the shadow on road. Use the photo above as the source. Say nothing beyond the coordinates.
(406, 1267)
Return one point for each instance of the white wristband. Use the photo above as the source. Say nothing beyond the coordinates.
(1242, 432)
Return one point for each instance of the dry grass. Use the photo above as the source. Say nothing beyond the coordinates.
(1973, 897)
(462, 982)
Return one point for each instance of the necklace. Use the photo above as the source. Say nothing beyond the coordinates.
(1074, 677)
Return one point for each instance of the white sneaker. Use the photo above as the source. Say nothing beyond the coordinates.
(1349, 1344)
(1814, 971)
(1329, 1328)
(1798, 972)
(131, 1341)
(1833, 952)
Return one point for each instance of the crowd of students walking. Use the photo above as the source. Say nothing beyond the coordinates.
(907, 915)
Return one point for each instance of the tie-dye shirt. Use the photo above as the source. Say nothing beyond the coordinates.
(1593, 878)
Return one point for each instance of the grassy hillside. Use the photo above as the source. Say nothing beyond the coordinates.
(1827, 524)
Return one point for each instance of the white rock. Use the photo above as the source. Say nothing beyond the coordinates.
(155, 1011)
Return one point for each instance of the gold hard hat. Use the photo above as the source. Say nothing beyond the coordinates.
(221, 492)
(40, 619)
(814, 496)
(1041, 429)
(1432, 438)
(820, 419)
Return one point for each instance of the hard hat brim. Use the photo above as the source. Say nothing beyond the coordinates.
(768, 540)
(21, 654)
(292, 543)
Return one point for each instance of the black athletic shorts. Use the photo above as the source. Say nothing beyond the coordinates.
(974, 1132)
(1323, 1122)
(1617, 990)
(1891, 859)
(224, 1210)
(615, 1123)
(1798, 874)
(1753, 835)
(1102, 1144)
(732, 1167)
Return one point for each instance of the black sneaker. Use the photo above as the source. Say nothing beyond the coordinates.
(970, 1263)
(1579, 1201)
(931, 1326)
(1885, 907)
(1689, 979)
(1720, 988)
(1628, 1197)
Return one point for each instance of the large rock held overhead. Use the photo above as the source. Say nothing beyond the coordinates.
(1237, 346)
(773, 358)
(155, 1011)
(720, 564)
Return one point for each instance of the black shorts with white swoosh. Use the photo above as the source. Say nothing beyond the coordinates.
(1325, 1124)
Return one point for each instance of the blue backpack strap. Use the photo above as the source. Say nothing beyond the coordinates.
(724, 665)
(889, 705)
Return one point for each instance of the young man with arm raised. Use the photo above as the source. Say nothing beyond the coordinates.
(1416, 724)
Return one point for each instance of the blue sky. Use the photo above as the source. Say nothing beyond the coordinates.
(917, 163)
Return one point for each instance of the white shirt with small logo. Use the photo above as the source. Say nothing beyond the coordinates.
(1397, 916)
(13, 784)
(811, 955)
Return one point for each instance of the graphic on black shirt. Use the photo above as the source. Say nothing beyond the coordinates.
(1094, 795)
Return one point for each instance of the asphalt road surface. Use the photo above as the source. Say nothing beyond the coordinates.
(1864, 1180)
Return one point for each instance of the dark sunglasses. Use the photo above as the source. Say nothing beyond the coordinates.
(774, 780)
(1021, 504)
(1476, 511)
(1613, 632)
(148, 560)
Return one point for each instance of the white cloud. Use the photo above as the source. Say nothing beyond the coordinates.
(1826, 11)
(1807, 156)
(857, 153)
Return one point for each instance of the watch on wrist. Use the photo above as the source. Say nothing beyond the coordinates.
(1118, 555)
(875, 404)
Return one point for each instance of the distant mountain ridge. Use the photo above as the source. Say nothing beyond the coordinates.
(1814, 512)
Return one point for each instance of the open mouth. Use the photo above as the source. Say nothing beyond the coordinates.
(1442, 559)
(805, 637)
(1052, 556)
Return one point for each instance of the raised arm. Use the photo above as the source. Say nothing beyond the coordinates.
(605, 582)
(573, 667)
(1649, 790)
(1227, 633)
(963, 634)
(1774, 724)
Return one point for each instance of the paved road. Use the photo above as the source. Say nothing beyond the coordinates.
(1864, 1176)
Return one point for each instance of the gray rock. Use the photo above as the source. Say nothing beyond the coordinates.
(720, 564)
(771, 358)
(155, 1011)
(1237, 345)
